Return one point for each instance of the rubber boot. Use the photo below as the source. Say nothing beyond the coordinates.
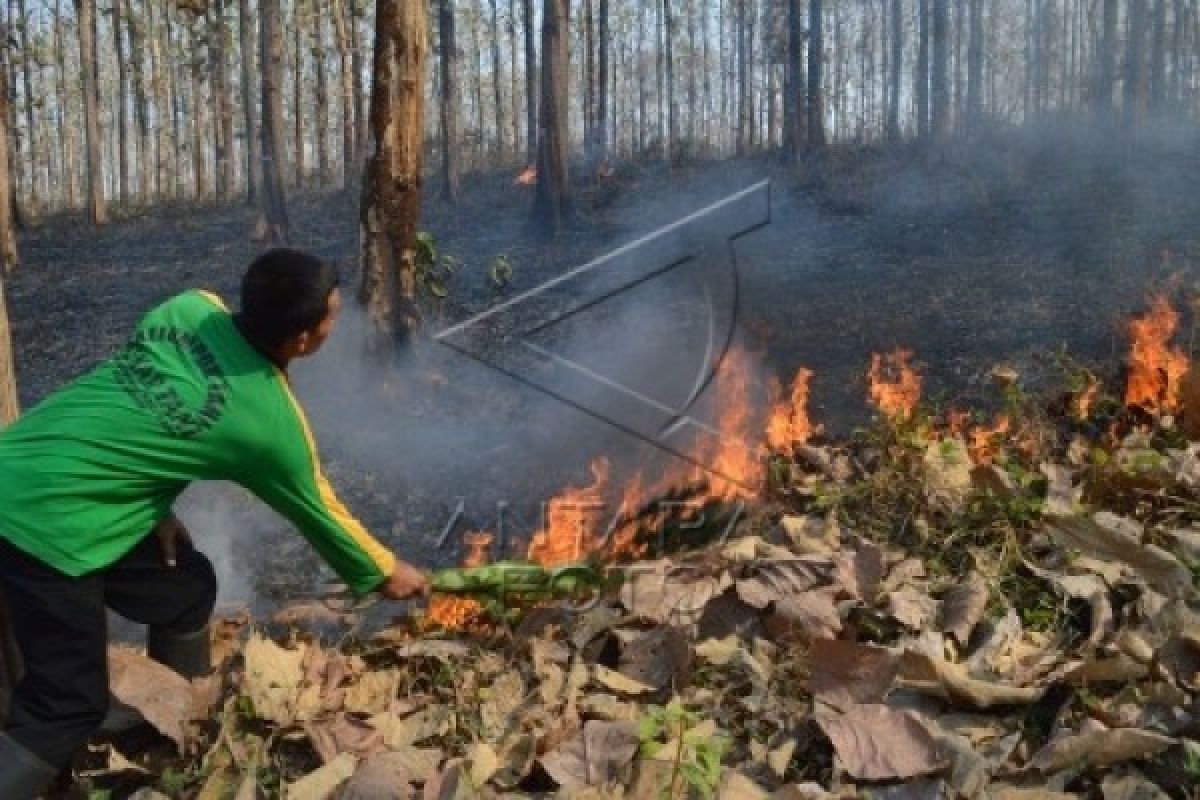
(23, 776)
(189, 654)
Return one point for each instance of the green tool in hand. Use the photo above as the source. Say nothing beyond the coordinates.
(504, 584)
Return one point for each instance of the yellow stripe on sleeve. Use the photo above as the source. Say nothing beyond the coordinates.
(382, 556)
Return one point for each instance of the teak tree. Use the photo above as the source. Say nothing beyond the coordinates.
(552, 196)
(274, 209)
(392, 186)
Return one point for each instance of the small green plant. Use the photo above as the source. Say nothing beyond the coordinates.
(434, 270)
(696, 755)
(173, 781)
(500, 272)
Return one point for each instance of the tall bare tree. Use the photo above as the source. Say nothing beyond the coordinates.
(141, 100)
(552, 198)
(226, 166)
(31, 128)
(897, 67)
(975, 47)
(298, 83)
(816, 75)
(250, 100)
(8, 262)
(391, 199)
(124, 182)
(97, 208)
(939, 86)
(448, 106)
(342, 34)
(320, 60)
(274, 222)
(498, 82)
(531, 114)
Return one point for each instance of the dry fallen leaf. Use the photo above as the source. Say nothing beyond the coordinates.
(597, 755)
(274, 679)
(846, 674)
(962, 608)
(1098, 747)
(322, 783)
(1108, 537)
(876, 743)
(161, 696)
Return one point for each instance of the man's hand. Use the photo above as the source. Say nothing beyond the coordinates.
(170, 533)
(404, 582)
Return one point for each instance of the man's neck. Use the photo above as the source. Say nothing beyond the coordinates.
(268, 353)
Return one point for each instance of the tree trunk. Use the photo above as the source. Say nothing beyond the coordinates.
(1134, 66)
(816, 98)
(274, 209)
(1158, 58)
(897, 67)
(250, 102)
(360, 95)
(477, 47)
(97, 209)
(198, 106)
(392, 188)
(301, 163)
(35, 202)
(498, 83)
(602, 86)
(642, 92)
(320, 67)
(141, 107)
(922, 75)
(531, 115)
(793, 89)
(66, 129)
(222, 103)
(449, 100)
(552, 200)
(940, 89)
(588, 82)
(174, 58)
(660, 81)
(669, 72)
(349, 167)
(975, 46)
(122, 88)
(1107, 73)
(693, 86)
(514, 80)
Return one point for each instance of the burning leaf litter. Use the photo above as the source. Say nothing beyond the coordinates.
(933, 608)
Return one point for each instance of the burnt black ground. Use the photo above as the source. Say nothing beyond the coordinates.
(1004, 250)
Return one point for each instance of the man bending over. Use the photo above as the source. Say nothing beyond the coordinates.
(88, 479)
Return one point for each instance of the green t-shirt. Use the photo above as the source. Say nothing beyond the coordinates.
(86, 474)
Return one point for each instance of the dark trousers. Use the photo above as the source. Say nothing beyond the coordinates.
(60, 629)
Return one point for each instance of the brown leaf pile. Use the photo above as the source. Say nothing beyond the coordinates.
(912, 625)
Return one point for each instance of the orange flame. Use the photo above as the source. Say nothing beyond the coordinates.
(732, 456)
(893, 385)
(526, 177)
(982, 445)
(458, 612)
(789, 424)
(570, 531)
(1155, 367)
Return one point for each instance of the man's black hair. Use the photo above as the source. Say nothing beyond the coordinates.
(285, 292)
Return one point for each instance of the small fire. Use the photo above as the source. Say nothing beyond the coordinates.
(893, 385)
(572, 520)
(982, 441)
(732, 455)
(457, 612)
(526, 177)
(1155, 367)
(789, 424)
(1086, 398)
